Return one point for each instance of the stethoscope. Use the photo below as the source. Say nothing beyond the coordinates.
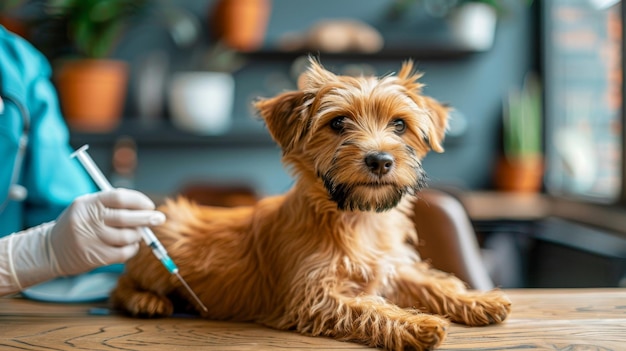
(16, 191)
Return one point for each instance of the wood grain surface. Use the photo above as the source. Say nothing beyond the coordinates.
(559, 319)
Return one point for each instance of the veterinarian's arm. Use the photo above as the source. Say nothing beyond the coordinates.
(95, 230)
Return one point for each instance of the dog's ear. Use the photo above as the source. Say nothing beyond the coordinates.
(315, 76)
(284, 118)
(408, 77)
(438, 113)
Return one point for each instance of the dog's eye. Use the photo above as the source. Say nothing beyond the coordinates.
(399, 126)
(337, 123)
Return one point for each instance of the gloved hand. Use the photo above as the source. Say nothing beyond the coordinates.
(95, 230)
(100, 229)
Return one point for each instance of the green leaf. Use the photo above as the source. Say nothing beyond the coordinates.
(523, 120)
(84, 33)
(107, 37)
(104, 10)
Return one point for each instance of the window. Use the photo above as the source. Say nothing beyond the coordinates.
(583, 87)
(583, 84)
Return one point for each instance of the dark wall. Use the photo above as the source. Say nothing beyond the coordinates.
(474, 84)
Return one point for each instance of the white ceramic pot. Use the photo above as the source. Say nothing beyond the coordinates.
(202, 102)
(474, 25)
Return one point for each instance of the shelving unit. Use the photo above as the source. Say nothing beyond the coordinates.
(391, 51)
(248, 133)
(163, 133)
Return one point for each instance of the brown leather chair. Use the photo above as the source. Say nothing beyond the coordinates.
(447, 239)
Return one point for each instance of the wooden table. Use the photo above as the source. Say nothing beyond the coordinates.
(497, 205)
(559, 319)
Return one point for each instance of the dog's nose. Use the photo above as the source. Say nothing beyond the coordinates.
(379, 163)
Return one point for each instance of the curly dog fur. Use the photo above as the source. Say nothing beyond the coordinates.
(335, 255)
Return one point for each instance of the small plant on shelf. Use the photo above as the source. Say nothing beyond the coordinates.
(443, 8)
(521, 165)
(79, 36)
(471, 24)
(522, 121)
(94, 26)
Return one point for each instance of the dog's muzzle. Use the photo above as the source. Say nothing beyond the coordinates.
(375, 196)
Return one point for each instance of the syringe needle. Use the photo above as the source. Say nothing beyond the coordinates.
(161, 254)
(148, 236)
(195, 297)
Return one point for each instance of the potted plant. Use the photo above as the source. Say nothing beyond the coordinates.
(520, 168)
(472, 23)
(201, 99)
(240, 24)
(92, 86)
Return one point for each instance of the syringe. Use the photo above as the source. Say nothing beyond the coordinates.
(148, 236)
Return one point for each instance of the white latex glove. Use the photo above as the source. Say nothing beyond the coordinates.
(95, 230)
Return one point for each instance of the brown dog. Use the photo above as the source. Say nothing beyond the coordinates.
(334, 256)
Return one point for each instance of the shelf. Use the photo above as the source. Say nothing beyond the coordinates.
(163, 133)
(432, 51)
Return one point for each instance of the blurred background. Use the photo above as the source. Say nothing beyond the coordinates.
(535, 147)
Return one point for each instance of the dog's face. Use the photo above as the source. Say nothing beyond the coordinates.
(363, 138)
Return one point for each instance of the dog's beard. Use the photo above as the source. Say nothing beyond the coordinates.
(375, 196)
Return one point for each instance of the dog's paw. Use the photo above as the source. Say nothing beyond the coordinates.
(149, 305)
(424, 332)
(483, 308)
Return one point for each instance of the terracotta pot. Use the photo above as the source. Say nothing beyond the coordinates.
(523, 175)
(92, 93)
(241, 24)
